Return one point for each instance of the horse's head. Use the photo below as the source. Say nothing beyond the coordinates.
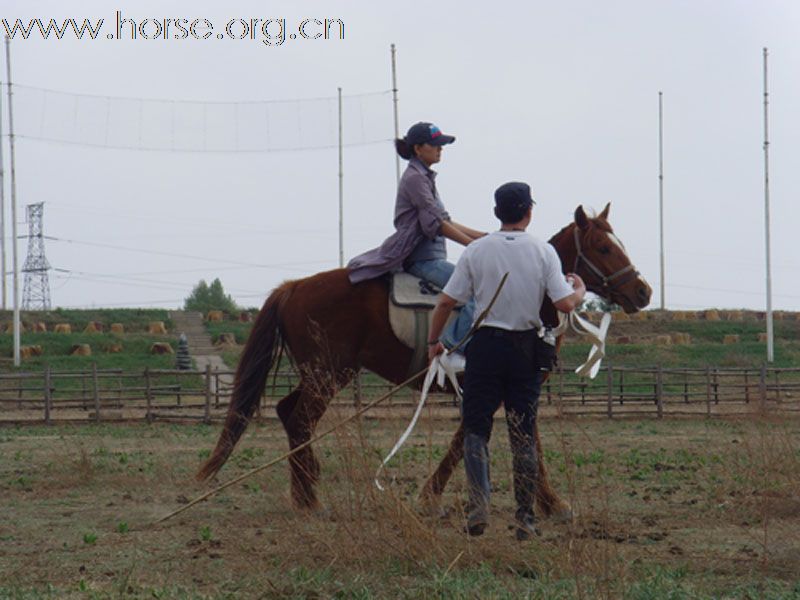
(589, 248)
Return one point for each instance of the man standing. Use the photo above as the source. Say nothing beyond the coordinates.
(507, 357)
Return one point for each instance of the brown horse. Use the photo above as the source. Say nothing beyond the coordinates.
(332, 328)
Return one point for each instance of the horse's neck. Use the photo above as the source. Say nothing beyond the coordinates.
(564, 243)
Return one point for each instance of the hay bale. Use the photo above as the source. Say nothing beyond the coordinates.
(156, 328)
(94, 327)
(762, 337)
(29, 351)
(642, 315)
(63, 328)
(621, 316)
(731, 338)
(114, 349)
(623, 339)
(663, 340)
(39, 327)
(734, 315)
(711, 315)
(678, 315)
(161, 348)
(80, 350)
(226, 339)
(117, 328)
(215, 315)
(10, 327)
(245, 317)
(690, 315)
(681, 339)
(777, 315)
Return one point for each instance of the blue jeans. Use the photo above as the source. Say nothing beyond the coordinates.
(438, 272)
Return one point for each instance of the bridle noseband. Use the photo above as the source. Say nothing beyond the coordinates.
(610, 283)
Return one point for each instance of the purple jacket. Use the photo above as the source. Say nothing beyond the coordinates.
(418, 214)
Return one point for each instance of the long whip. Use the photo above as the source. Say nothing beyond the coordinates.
(282, 457)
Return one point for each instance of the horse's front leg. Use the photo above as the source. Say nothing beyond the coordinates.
(547, 500)
(433, 488)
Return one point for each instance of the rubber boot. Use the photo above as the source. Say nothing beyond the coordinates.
(476, 463)
(525, 471)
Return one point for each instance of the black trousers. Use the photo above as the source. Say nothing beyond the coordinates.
(503, 367)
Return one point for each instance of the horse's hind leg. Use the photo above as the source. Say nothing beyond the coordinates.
(300, 412)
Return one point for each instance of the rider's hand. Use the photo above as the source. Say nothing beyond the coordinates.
(435, 350)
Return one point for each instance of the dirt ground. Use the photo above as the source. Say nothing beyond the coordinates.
(676, 508)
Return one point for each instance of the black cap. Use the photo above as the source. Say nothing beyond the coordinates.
(427, 133)
(513, 195)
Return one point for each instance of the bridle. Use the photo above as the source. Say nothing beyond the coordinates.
(610, 283)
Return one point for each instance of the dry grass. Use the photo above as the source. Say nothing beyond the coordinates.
(677, 509)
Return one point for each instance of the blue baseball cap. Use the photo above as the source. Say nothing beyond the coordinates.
(427, 133)
(513, 195)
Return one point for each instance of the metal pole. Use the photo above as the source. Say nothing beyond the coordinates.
(770, 340)
(3, 273)
(396, 117)
(661, 191)
(341, 188)
(15, 291)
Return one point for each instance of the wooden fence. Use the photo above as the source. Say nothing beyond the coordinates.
(113, 395)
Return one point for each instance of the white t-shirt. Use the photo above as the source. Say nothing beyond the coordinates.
(533, 268)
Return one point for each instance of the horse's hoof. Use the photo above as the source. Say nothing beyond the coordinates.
(317, 512)
(430, 505)
(564, 514)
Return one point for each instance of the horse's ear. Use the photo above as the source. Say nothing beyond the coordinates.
(581, 220)
(604, 214)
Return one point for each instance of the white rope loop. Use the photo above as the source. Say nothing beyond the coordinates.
(441, 367)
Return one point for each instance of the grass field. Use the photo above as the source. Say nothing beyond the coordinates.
(706, 347)
(135, 342)
(665, 509)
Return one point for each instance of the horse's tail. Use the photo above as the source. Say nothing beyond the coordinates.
(255, 363)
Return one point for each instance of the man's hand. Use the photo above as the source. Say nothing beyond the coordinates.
(435, 350)
(572, 301)
(575, 280)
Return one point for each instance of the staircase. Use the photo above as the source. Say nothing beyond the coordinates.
(191, 323)
(201, 349)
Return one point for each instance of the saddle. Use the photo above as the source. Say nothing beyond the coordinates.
(411, 302)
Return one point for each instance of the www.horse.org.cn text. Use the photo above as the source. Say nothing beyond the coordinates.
(269, 31)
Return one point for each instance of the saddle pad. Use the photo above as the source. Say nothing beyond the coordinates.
(411, 326)
(413, 292)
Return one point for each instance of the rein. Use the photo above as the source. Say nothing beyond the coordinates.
(627, 273)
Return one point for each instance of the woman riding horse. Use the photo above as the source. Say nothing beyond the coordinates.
(421, 223)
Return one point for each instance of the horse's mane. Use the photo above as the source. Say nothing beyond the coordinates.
(598, 222)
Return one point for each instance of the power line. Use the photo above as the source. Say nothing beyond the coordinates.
(179, 219)
(160, 253)
(196, 150)
(209, 102)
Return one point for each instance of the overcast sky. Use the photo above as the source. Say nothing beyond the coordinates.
(144, 202)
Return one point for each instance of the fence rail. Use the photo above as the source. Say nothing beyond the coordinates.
(114, 395)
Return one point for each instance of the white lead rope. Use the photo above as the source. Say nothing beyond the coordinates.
(596, 335)
(442, 366)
